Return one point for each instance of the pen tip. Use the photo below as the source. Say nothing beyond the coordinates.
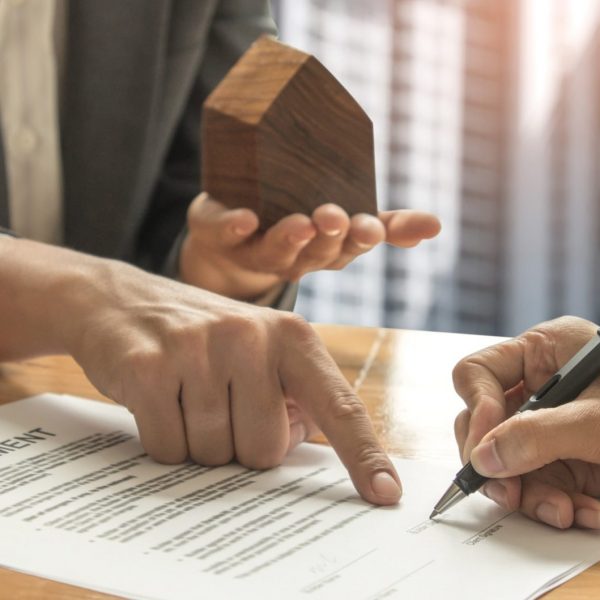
(452, 495)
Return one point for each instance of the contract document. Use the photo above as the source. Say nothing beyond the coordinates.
(81, 503)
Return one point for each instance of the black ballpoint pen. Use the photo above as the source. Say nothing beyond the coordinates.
(565, 385)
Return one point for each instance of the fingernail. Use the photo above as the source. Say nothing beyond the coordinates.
(548, 513)
(332, 232)
(385, 486)
(587, 517)
(495, 491)
(297, 434)
(486, 460)
(241, 230)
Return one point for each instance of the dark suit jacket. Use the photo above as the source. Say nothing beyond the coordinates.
(136, 74)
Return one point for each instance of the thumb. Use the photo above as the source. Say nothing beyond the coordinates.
(218, 226)
(530, 440)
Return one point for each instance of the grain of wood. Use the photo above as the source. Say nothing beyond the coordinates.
(281, 135)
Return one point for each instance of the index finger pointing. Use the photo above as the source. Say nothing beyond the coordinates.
(311, 377)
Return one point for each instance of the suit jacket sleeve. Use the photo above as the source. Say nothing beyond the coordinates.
(236, 24)
(8, 232)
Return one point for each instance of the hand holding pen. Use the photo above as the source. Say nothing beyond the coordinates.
(544, 462)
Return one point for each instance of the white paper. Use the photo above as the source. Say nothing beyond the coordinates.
(81, 503)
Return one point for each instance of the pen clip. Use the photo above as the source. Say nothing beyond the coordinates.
(546, 387)
(574, 376)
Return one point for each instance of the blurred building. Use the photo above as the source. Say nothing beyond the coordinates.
(484, 113)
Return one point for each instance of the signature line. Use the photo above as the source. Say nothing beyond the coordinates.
(406, 576)
(305, 588)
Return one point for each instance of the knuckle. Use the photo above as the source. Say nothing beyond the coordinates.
(244, 329)
(470, 365)
(251, 335)
(347, 406)
(459, 370)
(569, 322)
(145, 365)
(296, 327)
(539, 352)
(464, 370)
(189, 341)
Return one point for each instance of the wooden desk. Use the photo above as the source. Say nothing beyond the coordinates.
(404, 377)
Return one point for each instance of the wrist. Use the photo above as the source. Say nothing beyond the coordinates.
(40, 313)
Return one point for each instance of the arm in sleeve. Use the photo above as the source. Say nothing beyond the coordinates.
(7, 232)
(236, 24)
